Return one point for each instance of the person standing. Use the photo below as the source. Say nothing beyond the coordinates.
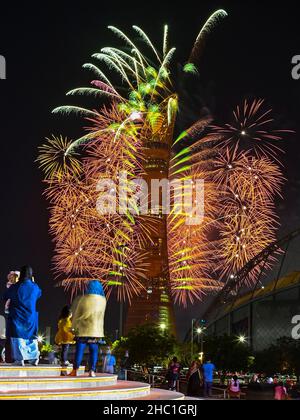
(208, 373)
(173, 373)
(22, 322)
(195, 380)
(12, 278)
(88, 325)
(64, 337)
(109, 363)
(124, 366)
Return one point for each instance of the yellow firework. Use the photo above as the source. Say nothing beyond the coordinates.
(134, 134)
(54, 161)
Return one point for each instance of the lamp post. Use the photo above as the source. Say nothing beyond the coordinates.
(200, 332)
(192, 340)
(163, 328)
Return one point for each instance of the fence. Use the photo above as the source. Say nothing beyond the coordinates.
(159, 381)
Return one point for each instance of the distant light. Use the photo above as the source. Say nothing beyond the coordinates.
(40, 339)
(243, 133)
(163, 327)
(242, 339)
(230, 166)
(199, 331)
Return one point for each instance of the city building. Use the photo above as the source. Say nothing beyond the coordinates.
(264, 312)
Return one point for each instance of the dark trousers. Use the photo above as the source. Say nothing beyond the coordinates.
(173, 381)
(64, 353)
(94, 350)
(208, 389)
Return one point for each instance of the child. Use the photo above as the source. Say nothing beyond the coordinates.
(234, 390)
(64, 336)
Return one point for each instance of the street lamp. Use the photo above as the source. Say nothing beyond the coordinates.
(192, 340)
(200, 333)
(163, 327)
(242, 339)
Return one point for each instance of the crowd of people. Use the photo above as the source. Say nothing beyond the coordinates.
(199, 377)
(81, 325)
(284, 388)
(200, 380)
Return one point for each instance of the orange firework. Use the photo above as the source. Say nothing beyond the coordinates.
(229, 175)
(252, 130)
(249, 181)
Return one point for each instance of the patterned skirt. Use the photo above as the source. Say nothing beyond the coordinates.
(24, 350)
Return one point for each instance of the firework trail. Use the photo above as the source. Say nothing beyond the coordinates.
(133, 133)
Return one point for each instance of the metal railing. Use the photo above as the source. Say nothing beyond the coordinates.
(152, 379)
(155, 380)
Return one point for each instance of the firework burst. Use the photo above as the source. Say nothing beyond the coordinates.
(54, 160)
(251, 129)
(134, 134)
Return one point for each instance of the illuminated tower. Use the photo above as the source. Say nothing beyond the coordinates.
(155, 304)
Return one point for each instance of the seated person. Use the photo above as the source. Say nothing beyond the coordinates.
(234, 390)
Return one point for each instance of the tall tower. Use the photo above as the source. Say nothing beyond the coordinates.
(155, 304)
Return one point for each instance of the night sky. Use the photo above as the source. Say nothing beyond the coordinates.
(249, 55)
